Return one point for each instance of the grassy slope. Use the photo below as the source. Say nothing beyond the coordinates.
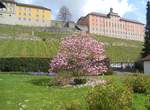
(18, 90)
(14, 48)
(116, 49)
(121, 50)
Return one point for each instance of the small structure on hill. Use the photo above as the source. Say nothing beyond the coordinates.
(146, 61)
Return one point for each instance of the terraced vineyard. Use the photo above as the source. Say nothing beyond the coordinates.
(19, 48)
(116, 49)
(121, 50)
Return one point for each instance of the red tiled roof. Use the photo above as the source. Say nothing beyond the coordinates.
(115, 14)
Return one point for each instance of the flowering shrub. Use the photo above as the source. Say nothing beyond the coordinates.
(138, 83)
(109, 97)
(80, 53)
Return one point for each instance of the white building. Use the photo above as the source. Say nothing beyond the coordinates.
(147, 64)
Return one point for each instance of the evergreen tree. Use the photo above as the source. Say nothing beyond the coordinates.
(146, 49)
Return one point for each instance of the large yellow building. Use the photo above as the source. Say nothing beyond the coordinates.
(24, 14)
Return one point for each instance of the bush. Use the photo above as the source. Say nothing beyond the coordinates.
(24, 64)
(109, 97)
(147, 103)
(139, 66)
(79, 81)
(61, 79)
(138, 83)
(109, 72)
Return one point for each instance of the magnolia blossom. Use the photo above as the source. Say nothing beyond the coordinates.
(80, 52)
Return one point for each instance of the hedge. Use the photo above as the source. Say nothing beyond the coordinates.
(24, 64)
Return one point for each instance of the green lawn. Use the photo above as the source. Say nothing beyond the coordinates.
(17, 91)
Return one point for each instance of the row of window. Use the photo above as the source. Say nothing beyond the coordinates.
(29, 19)
(30, 14)
(135, 37)
(116, 32)
(116, 25)
(7, 9)
(30, 9)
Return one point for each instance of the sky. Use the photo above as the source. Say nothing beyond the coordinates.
(130, 9)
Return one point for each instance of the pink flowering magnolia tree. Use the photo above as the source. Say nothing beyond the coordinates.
(80, 53)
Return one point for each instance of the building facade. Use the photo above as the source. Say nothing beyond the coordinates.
(113, 25)
(13, 13)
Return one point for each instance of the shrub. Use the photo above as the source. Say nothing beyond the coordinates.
(80, 53)
(79, 81)
(139, 66)
(109, 97)
(138, 83)
(109, 72)
(147, 102)
(61, 79)
(22, 64)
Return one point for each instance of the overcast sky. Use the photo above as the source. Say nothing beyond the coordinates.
(131, 9)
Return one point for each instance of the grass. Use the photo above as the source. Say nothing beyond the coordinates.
(20, 90)
(128, 51)
(18, 48)
(116, 49)
(120, 49)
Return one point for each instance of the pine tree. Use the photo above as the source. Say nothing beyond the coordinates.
(146, 49)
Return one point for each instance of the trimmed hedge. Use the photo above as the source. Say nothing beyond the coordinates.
(24, 64)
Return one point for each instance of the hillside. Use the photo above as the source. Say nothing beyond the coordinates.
(121, 50)
(116, 49)
(18, 48)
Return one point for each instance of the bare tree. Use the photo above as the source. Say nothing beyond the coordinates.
(64, 14)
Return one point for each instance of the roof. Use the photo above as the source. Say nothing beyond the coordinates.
(146, 58)
(133, 21)
(23, 4)
(13, 1)
(34, 6)
(114, 14)
(97, 14)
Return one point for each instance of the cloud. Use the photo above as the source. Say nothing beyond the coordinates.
(26, 1)
(80, 8)
(119, 6)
